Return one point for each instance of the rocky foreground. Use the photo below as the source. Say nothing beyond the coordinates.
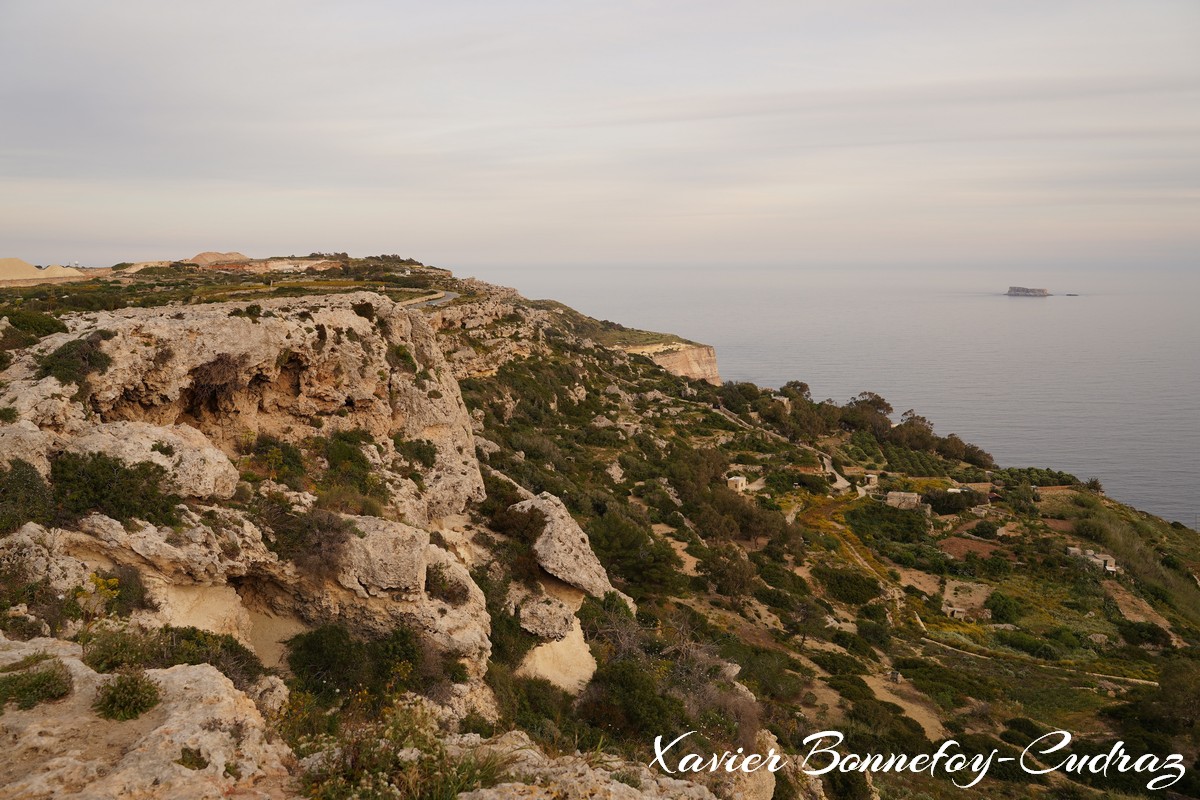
(371, 531)
(186, 389)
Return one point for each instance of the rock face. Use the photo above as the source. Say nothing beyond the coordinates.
(290, 368)
(194, 467)
(26, 442)
(572, 777)
(63, 749)
(563, 549)
(694, 361)
(389, 557)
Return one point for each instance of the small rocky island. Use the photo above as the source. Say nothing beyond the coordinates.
(1023, 291)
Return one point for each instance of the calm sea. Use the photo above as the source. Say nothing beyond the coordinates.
(1105, 384)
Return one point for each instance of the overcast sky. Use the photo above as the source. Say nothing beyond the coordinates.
(807, 132)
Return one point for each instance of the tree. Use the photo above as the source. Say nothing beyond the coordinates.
(728, 570)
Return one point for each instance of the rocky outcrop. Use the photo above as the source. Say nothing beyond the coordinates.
(194, 468)
(25, 441)
(63, 749)
(388, 557)
(572, 777)
(563, 549)
(291, 368)
(696, 362)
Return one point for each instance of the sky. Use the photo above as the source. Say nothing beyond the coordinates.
(808, 133)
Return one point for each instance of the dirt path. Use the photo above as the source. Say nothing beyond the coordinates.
(1122, 678)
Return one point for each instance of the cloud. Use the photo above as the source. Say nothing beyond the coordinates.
(567, 133)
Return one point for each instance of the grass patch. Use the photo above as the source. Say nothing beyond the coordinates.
(27, 687)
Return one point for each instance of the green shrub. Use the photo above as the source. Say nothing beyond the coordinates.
(8, 415)
(131, 595)
(1034, 646)
(284, 461)
(191, 758)
(986, 529)
(330, 664)
(948, 688)
(873, 519)
(111, 650)
(89, 482)
(1139, 633)
(35, 679)
(441, 585)
(624, 700)
(396, 755)
(309, 538)
(1005, 609)
(33, 322)
(24, 497)
(74, 361)
(418, 451)
(847, 585)
(398, 357)
(126, 695)
(838, 663)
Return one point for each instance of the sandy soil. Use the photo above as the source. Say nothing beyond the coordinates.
(915, 704)
(929, 584)
(1135, 609)
(268, 632)
(958, 547)
(567, 663)
(964, 594)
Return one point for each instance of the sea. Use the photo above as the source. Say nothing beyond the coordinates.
(1101, 379)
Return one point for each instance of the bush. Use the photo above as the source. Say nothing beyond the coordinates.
(284, 460)
(418, 451)
(111, 650)
(948, 688)
(396, 755)
(131, 594)
(873, 519)
(126, 695)
(89, 482)
(33, 322)
(75, 360)
(309, 538)
(985, 529)
(24, 497)
(847, 585)
(398, 357)
(8, 415)
(330, 664)
(1147, 633)
(441, 585)
(838, 663)
(624, 700)
(1038, 648)
(1005, 609)
(27, 686)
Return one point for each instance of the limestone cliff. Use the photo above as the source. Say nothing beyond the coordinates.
(687, 360)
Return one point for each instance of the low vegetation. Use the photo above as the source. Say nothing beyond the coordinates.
(126, 695)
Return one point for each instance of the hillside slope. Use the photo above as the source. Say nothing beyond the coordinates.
(436, 537)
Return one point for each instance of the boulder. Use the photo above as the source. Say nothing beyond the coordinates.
(563, 549)
(388, 557)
